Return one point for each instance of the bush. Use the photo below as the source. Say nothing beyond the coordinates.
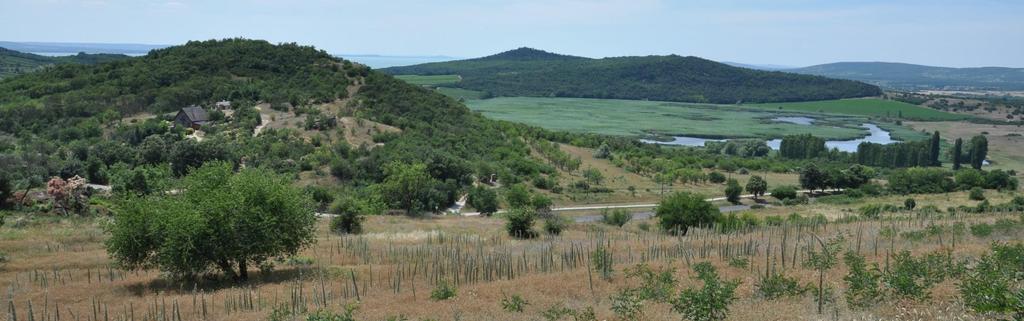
(602, 261)
(628, 305)
(349, 218)
(342, 169)
(994, 284)
(326, 315)
(520, 223)
(681, 210)
(443, 291)
(709, 303)
(977, 194)
(655, 285)
(733, 191)
(616, 217)
(778, 285)
(981, 229)
(910, 277)
(740, 262)
(554, 224)
(862, 283)
(909, 204)
(515, 303)
(483, 199)
(784, 192)
(716, 177)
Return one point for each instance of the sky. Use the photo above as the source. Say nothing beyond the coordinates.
(968, 33)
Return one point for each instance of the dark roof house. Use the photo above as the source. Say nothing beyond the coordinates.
(193, 117)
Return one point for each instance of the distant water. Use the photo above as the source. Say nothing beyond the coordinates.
(799, 120)
(875, 135)
(61, 54)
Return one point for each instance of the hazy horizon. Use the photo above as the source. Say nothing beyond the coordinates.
(787, 32)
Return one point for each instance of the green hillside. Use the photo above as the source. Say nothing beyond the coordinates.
(71, 120)
(535, 73)
(14, 63)
(917, 77)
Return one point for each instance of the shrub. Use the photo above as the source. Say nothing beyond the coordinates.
(740, 262)
(326, 315)
(784, 192)
(342, 169)
(443, 291)
(348, 219)
(616, 217)
(520, 223)
(681, 210)
(778, 285)
(655, 285)
(977, 194)
(515, 303)
(910, 277)
(981, 230)
(909, 204)
(733, 191)
(554, 224)
(862, 283)
(995, 282)
(709, 303)
(716, 177)
(628, 305)
(602, 261)
(483, 199)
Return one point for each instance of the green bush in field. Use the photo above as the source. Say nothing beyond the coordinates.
(326, 315)
(784, 192)
(628, 305)
(733, 191)
(977, 194)
(443, 291)
(996, 282)
(862, 282)
(981, 229)
(520, 223)
(616, 217)
(910, 277)
(554, 224)
(514, 303)
(716, 177)
(778, 285)
(655, 284)
(349, 218)
(681, 210)
(710, 302)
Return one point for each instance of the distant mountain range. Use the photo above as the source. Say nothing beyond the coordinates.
(14, 63)
(917, 77)
(537, 73)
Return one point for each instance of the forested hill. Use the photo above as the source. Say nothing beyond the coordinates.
(73, 120)
(531, 72)
(913, 77)
(15, 63)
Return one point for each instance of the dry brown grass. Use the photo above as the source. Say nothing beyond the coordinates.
(62, 264)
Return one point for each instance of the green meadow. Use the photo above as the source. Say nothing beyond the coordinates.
(871, 107)
(434, 80)
(641, 118)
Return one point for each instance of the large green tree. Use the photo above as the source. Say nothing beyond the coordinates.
(978, 151)
(757, 186)
(957, 153)
(408, 187)
(220, 220)
(681, 210)
(934, 148)
(733, 191)
(483, 199)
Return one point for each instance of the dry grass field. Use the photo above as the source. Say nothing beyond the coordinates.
(58, 269)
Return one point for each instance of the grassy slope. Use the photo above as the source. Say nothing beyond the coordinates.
(634, 118)
(433, 80)
(866, 107)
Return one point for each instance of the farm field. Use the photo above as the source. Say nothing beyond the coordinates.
(60, 267)
(639, 118)
(434, 80)
(871, 107)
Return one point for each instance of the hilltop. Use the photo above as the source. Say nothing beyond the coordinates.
(537, 73)
(14, 63)
(917, 77)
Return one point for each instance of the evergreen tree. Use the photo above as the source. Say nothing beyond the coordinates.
(978, 151)
(935, 149)
(958, 147)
